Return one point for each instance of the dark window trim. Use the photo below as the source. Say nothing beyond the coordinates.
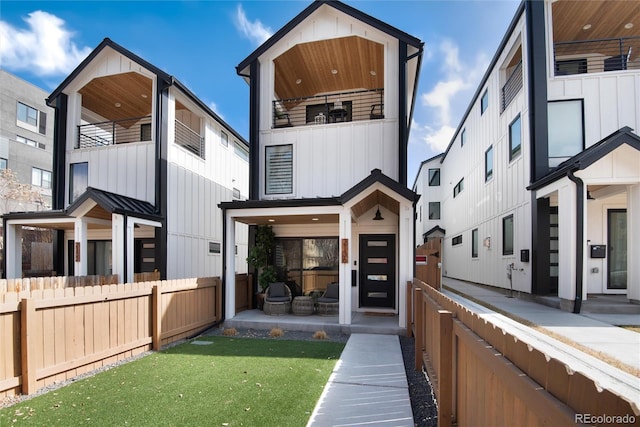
(439, 212)
(215, 248)
(474, 243)
(488, 174)
(583, 125)
(71, 167)
(432, 179)
(266, 191)
(458, 188)
(513, 153)
(484, 101)
(504, 241)
(457, 240)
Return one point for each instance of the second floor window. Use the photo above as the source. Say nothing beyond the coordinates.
(515, 138)
(224, 139)
(279, 169)
(434, 210)
(78, 180)
(484, 102)
(434, 177)
(32, 119)
(40, 178)
(458, 188)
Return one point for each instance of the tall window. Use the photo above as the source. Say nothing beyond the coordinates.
(458, 188)
(279, 169)
(515, 138)
(463, 137)
(78, 180)
(3, 163)
(474, 243)
(224, 138)
(434, 210)
(30, 118)
(484, 102)
(507, 235)
(40, 178)
(434, 177)
(488, 163)
(566, 130)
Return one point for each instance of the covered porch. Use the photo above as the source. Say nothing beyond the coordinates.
(100, 233)
(363, 240)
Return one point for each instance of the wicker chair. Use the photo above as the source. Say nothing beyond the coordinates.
(329, 302)
(277, 299)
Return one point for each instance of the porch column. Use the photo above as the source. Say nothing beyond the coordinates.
(344, 313)
(13, 251)
(633, 243)
(117, 246)
(567, 209)
(80, 247)
(130, 259)
(405, 259)
(230, 267)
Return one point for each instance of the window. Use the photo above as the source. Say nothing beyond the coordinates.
(78, 180)
(566, 130)
(3, 163)
(145, 132)
(224, 138)
(507, 235)
(279, 169)
(456, 240)
(30, 142)
(434, 210)
(458, 188)
(240, 151)
(32, 119)
(463, 137)
(434, 177)
(474, 243)
(515, 138)
(484, 101)
(236, 193)
(215, 247)
(488, 163)
(40, 178)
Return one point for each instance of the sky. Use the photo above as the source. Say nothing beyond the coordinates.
(201, 42)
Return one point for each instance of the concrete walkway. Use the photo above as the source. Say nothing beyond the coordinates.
(367, 387)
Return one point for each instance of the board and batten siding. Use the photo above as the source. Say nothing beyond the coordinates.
(483, 204)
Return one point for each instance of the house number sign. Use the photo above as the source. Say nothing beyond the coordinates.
(77, 252)
(345, 251)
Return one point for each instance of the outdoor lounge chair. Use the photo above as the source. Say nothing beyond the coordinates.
(329, 303)
(277, 299)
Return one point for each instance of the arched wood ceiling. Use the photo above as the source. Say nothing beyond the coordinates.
(307, 68)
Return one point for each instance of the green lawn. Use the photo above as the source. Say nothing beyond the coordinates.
(232, 382)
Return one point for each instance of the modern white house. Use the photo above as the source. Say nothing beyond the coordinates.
(428, 208)
(140, 165)
(331, 102)
(540, 185)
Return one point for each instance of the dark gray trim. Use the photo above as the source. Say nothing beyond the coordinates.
(116, 203)
(540, 237)
(124, 251)
(433, 230)
(4, 247)
(279, 203)
(361, 16)
(58, 251)
(162, 175)
(59, 152)
(403, 131)
(377, 176)
(487, 73)
(223, 275)
(579, 239)
(254, 132)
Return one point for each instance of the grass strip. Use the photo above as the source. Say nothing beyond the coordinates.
(230, 382)
(598, 354)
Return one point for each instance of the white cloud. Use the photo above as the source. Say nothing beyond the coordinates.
(254, 31)
(449, 96)
(45, 48)
(214, 108)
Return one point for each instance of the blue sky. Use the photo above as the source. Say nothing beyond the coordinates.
(201, 42)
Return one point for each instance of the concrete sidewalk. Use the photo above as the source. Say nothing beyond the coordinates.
(368, 386)
(615, 342)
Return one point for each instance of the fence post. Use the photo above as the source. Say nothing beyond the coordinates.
(409, 311)
(27, 319)
(419, 322)
(156, 318)
(445, 371)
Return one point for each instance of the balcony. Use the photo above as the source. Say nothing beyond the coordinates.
(596, 56)
(123, 131)
(189, 139)
(329, 108)
(511, 87)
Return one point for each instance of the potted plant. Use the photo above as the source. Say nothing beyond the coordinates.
(259, 257)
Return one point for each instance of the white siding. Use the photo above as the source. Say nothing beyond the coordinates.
(427, 194)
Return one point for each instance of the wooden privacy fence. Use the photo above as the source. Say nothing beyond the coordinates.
(54, 334)
(61, 282)
(428, 259)
(482, 375)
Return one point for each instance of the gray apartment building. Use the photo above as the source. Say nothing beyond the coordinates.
(26, 148)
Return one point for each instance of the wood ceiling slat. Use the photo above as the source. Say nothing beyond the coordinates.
(607, 19)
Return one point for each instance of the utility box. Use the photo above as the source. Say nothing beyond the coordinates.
(598, 251)
(524, 255)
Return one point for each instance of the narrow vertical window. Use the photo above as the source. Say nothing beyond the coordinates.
(224, 138)
(507, 235)
(78, 180)
(484, 102)
(474, 243)
(463, 137)
(434, 177)
(458, 188)
(488, 163)
(279, 169)
(515, 138)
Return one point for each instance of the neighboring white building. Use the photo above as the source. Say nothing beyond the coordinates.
(428, 208)
(140, 165)
(328, 166)
(541, 181)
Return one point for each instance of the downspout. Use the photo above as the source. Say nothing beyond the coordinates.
(124, 249)
(579, 239)
(223, 278)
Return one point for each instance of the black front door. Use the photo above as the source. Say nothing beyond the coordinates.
(377, 270)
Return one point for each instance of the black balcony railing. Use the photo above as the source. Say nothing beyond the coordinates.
(189, 139)
(330, 108)
(114, 132)
(512, 86)
(595, 56)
